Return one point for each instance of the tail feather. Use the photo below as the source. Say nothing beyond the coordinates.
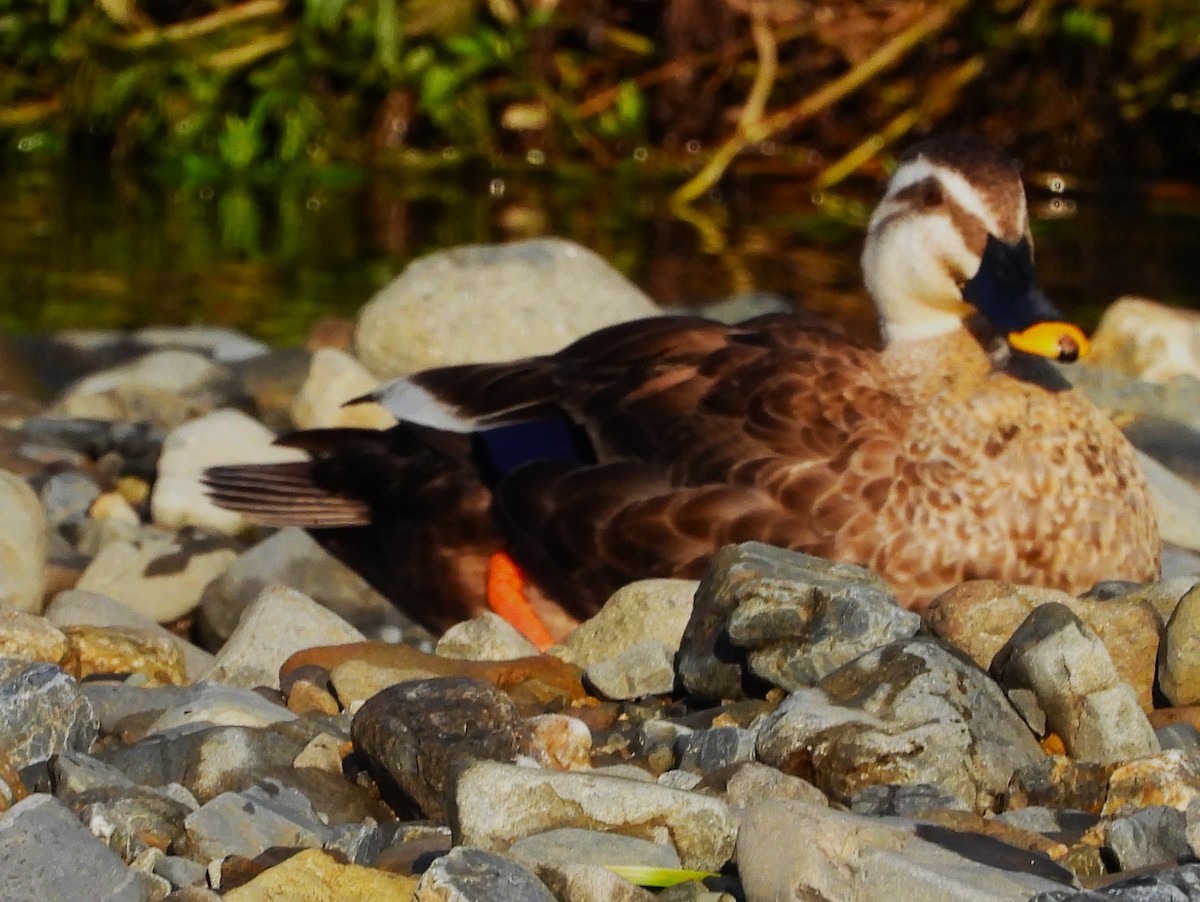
(282, 494)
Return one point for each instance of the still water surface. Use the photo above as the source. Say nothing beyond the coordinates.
(98, 250)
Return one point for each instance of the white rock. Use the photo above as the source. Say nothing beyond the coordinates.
(488, 637)
(22, 544)
(1149, 340)
(1176, 504)
(224, 436)
(647, 609)
(221, 344)
(492, 302)
(159, 575)
(334, 377)
(278, 624)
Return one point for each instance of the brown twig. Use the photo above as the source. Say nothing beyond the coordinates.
(242, 12)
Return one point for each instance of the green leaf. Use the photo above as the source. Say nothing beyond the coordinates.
(657, 877)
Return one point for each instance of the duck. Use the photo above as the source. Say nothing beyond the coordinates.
(952, 449)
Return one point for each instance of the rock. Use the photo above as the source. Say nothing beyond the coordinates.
(218, 342)
(1175, 504)
(569, 845)
(978, 617)
(1124, 396)
(223, 436)
(292, 558)
(132, 820)
(865, 859)
(313, 874)
(278, 624)
(1179, 664)
(1169, 778)
(1174, 445)
(1181, 735)
(248, 823)
(107, 650)
(415, 735)
(914, 800)
(928, 717)
(706, 751)
(221, 706)
(27, 637)
(273, 380)
(22, 545)
(476, 875)
(495, 805)
(571, 882)
(647, 609)
(561, 742)
(165, 388)
(80, 608)
(749, 783)
(540, 296)
(334, 377)
(46, 853)
(644, 668)
(1146, 339)
(1148, 837)
(488, 637)
(1171, 885)
(1066, 666)
(42, 712)
(66, 498)
(160, 575)
(790, 617)
(1162, 595)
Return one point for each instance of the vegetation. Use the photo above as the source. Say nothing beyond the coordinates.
(260, 90)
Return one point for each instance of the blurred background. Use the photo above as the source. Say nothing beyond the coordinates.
(268, 164)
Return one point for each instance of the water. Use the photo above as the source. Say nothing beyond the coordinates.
(89, 249)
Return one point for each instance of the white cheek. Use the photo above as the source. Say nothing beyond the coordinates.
(920, 258)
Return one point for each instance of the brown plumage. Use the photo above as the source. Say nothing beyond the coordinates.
(933, 461)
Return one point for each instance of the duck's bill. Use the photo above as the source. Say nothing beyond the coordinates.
(1005, 291)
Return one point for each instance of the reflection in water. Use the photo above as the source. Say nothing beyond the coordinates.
(95, 250)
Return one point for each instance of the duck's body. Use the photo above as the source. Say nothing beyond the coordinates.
(641, 449)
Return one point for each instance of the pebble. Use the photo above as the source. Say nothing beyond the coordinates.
(47, 853)
(1079, 694)
(644, 668)
(477, 875)
(1179, 664)
(42, 712)
(335, 377)
(250, 822)
(647, 609)
(488, 637)
(1146, 339)
(22, 545)
(292, 558)
(314, 874)
(496, 804)
(279, 623)
(28, 637)
(159, 574)
(1149, 837)
(540, 295)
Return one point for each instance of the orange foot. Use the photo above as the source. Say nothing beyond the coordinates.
(506, 596)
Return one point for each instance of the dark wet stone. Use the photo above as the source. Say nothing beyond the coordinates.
(1060, 782)
(903, 801)
(1181, 884)
(42, 712)
(1173, 444)
(705, 751)
(784, 617)
(46, 853)
(415, 735)
(1181, 735)
(473, 875)
(1148, 837)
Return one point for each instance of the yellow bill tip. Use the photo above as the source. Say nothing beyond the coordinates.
(1058, 341)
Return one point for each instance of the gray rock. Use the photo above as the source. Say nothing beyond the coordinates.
(292, 558)
(218, 705)
(539, 296)
(218, 342)
(1163, 595)
(475, 875)
(569, 845)
(416, 735)
(1148, 837)
(165, 388)
(248, 823)
(116, 702)
(78, 608)
(910, 712)
(705, 751)
(571, 882)
(278, 624)
(679, 779)
(1057, 657)
(46, 853)
(1174, 445)
(159, 574)
(751, 783)
(66, 497)
(784, 616)
(1175, 504)
(1067, 822)
(647, 609)
(495, 805)
(1176, 399)
(42, 713)
(903, 801)
(1179, 735)
(1179, 562)
(872, 860)
(22, 545)
(362, 842)
(181, 872)
(1181, 884)
(1179, 663)
(644, 668)
(131, 820)
(488, 637)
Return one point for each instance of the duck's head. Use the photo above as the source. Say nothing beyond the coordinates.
(949, 240)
